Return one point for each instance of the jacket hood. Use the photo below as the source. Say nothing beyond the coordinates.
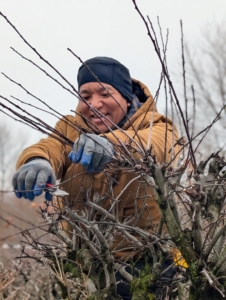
(146, 99)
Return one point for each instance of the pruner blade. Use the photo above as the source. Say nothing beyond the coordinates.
(55, 191)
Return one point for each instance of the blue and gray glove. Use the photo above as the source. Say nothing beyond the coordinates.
(30, 179)
(92, 151)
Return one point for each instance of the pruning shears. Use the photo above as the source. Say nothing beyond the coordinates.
(55, 191)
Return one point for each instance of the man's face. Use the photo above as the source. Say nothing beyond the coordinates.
(97, 97)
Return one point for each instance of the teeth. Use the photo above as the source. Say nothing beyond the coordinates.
(98, 117)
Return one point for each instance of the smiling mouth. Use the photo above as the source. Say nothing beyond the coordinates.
(101, 117)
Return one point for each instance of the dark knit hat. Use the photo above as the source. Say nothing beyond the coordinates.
(110, 71)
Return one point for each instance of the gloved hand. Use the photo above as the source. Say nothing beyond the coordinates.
(30, 179)
(92, 151)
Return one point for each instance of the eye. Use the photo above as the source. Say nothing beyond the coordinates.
(105, 95)
(86, 97)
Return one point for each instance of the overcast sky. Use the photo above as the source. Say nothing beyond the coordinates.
(91, 28)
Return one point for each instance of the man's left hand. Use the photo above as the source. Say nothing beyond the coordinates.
(92, 151)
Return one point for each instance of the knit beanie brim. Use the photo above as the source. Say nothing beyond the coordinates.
(107, 70)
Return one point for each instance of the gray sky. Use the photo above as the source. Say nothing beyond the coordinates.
(91, 28)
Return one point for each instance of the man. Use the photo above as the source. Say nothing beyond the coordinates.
(116, 121)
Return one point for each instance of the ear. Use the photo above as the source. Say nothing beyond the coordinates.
(128, 104)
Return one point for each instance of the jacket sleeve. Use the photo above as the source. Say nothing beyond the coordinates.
(50, 148)
(161, 134)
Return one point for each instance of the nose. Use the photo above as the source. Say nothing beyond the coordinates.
(96, 102)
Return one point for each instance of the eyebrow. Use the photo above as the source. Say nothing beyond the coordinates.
(100, 89)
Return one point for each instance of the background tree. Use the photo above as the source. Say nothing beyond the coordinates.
(205, 72)
(10, 147)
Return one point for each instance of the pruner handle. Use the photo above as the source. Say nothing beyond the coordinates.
(49, 185)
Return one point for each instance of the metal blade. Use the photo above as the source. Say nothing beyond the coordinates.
(59, 192)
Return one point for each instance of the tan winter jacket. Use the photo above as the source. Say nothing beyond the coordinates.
(77, 181)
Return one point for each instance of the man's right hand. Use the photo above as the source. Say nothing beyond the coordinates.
(30, 179)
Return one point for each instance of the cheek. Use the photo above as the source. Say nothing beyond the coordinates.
(119, 108)
(83, 107)
(124, 107)
(119, 105)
